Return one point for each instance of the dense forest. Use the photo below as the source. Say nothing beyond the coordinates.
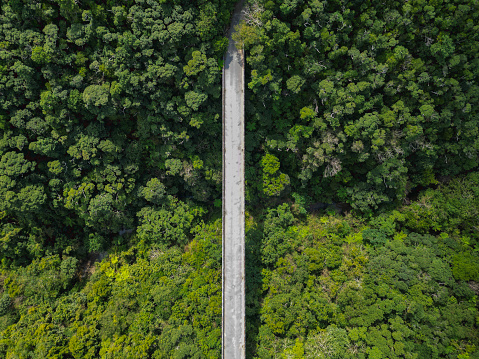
(108, 108)
(360, 101)
(403, 284)
(362, 162)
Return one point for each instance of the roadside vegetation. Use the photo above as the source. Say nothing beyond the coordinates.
(402, 284)
(362, 136)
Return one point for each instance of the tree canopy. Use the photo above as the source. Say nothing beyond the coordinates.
(317, 286)
(362, 152)
(361, 102)
(100, 99)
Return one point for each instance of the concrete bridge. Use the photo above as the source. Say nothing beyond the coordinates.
(233, 275)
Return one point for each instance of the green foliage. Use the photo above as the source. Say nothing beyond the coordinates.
(96, 95)
(331, 343)
(453, 208)
(274, 182)
(39, 55)
(383, 117)
(278, 239)
(42, 280)
(169, 224)
(151, 305)
(99, 102)
(154, 191)
(374, 237)
(109, 118)
(466, 266)
(394, 298)
(314, 290)
(5, 304)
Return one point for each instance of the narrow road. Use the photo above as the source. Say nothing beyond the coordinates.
(233, 306)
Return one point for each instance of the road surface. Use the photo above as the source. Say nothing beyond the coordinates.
(233, 306)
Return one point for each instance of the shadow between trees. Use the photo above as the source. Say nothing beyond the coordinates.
(254, 293)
